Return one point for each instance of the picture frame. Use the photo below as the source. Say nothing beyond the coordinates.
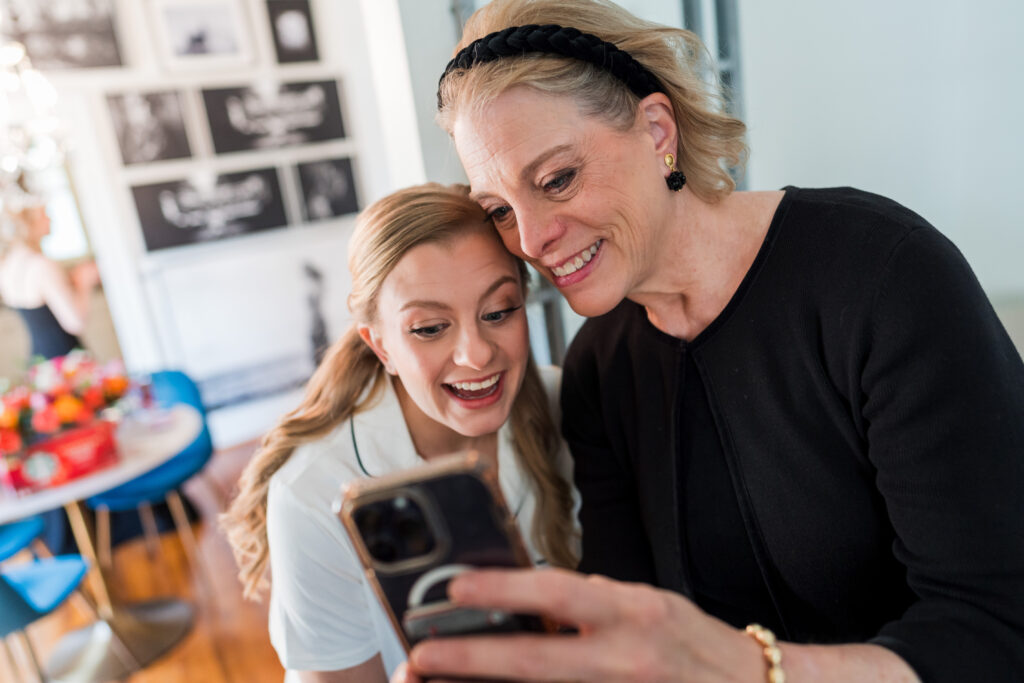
(273, 115)
(73, 34)
(149, 126)
(201, 34)
(328, 188)
(206, 207)
(293, 31)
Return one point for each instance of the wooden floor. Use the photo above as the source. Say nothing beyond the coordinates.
(229, 641)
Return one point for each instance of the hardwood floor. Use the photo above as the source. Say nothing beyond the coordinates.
(229, 640)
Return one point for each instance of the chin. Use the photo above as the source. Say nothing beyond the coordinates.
(480, 428)
(592, 306)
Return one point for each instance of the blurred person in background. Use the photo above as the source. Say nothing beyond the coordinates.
(53, 302)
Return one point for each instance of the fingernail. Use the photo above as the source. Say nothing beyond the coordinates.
(461, 587)
(420, 656)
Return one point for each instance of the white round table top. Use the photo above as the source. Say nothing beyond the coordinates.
(142, 445)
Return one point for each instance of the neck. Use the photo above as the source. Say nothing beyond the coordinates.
(704, 252)
(431, 439)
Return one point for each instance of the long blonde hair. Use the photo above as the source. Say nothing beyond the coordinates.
(710, 142)
(350, 378)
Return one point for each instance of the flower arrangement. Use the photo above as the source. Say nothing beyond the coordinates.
(60, 400)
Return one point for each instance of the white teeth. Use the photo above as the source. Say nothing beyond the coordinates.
(572, 265)
(476, 386)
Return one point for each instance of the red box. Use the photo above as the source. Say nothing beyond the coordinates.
(54, 461)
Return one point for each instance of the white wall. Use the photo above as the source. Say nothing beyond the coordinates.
(430, 36)
(360, 44)
(920, 100)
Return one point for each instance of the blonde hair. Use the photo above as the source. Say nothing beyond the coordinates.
(350, 378)
(19, 209)
(710, 142)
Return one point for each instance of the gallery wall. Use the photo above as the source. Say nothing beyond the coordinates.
(220, 154)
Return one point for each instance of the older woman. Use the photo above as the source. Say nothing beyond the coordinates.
(792, 408)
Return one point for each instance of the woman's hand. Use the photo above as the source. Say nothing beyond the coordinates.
(627, 632)
(85, 277)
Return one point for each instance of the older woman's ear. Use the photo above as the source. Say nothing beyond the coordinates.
(656, 115)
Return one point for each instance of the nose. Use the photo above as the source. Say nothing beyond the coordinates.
(539, 230)
(472, 348)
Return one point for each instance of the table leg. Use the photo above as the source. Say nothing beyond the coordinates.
(85, 546)
(125, 638)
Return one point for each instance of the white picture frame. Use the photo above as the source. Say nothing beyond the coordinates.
(194, 35)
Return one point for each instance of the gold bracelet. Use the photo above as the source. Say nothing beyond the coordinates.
(772, 654)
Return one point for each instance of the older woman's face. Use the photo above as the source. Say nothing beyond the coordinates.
(575, 197)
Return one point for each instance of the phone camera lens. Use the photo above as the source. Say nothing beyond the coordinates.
(395, 529)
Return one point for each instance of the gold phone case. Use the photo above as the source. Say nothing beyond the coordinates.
(456, 502)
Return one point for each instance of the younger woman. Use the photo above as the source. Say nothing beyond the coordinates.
(437, 360)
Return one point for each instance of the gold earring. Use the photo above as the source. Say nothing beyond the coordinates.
(675, 179)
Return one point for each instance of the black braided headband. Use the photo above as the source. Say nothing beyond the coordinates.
(566, 41)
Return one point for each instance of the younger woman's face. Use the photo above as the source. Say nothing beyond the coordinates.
(451, 326)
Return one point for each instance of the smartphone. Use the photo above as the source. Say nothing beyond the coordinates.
(417, 529)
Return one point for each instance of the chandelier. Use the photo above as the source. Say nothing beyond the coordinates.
(31, 133)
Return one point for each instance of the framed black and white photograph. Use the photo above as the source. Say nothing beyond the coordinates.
(273, 115)
(291, 24)
(149, 127)
(70, 34)
(328, 189)
(208, 207)
(201, 34)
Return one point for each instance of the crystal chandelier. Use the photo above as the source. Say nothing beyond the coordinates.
(31, 134)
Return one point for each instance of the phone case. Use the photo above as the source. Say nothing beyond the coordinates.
(416, 529)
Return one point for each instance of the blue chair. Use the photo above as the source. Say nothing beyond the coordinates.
(31, 590)
(17, 535)
(169, 387)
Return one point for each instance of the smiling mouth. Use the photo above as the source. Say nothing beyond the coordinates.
(576, 262)
(470, 391)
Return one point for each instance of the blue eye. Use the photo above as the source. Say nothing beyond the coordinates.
(500, 213)
(560, 182)
(498, 316)
(428, 331)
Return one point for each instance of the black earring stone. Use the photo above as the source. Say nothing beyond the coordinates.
(675, 181)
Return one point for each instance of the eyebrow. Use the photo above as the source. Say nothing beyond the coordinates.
(530, 168)
(425, 303)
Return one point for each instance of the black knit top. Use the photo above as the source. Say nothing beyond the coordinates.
(870, 409)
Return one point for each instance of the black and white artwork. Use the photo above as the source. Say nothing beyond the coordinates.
(291, 23)
(202, 33)
(273, 115)
(149, 127)
(328, 188)
(318, 336)
(205, 208)
(63, 34)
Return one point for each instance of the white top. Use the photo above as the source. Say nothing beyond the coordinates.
(28, 280)
(323, 614)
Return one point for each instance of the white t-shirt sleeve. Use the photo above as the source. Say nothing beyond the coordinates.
(319, 616)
